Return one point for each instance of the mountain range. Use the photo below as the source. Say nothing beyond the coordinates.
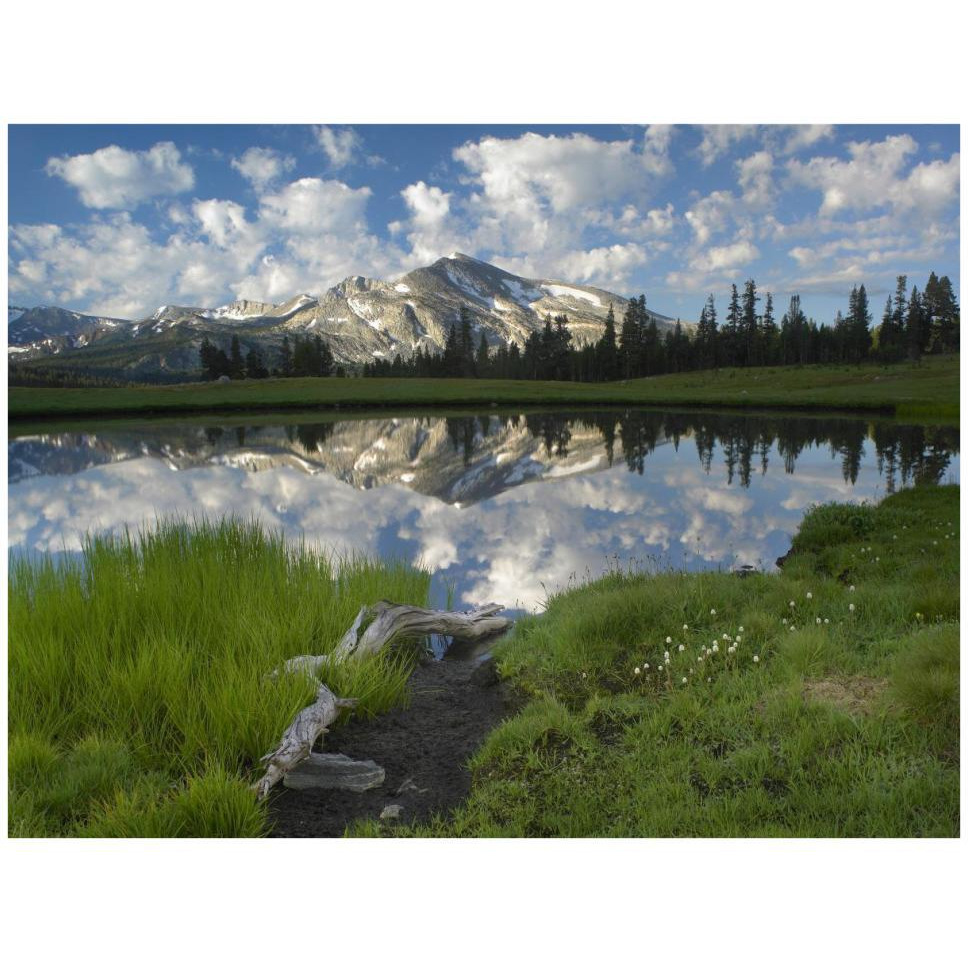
(361, 319)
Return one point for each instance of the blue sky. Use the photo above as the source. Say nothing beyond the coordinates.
(120, 219)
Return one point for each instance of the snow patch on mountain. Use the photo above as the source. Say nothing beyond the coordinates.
(557, 290)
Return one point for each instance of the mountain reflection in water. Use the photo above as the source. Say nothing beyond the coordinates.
(503, 507)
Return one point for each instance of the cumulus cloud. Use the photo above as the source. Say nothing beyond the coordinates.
(718, 139)
(710, 215)
(806, 136)
(313, 205)
(114, 177)
(867, 180)
(262, 167)
(755, 175)
(306, 235)
(342, 146)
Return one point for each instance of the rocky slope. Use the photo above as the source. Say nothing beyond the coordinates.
(361, 319)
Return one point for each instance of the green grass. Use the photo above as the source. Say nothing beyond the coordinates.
(843, 728)
(138, 700)
(929, 390)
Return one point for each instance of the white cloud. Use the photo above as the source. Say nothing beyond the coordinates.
(806, 135)
(558, 174)
(756, 179)
(315, 206)
(113, 177)
(342, 146)
(262, 166)
(867, 180)
(717, 139)
(725, 258)
(710, 215)
(433, 232)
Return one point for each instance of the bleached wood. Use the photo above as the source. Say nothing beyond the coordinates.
(390, 622)
(387, 622)
(298, 740)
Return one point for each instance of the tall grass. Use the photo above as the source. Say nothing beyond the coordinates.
(138, 685)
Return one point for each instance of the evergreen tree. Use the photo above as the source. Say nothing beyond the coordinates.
(255, 369)
(452, 360)
(943, 314)
(729, 339)
(917, 327)
(630, 346)
(285, 367)
(482, 360)
(859, 322)
(770, 333)
(606, 351)
(237, 365)
(465, 343)
(748, 350)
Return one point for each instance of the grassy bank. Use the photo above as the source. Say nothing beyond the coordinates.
(138, 703)
(822, 701)
(928, 390)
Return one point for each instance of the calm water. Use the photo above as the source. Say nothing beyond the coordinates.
(504, 507)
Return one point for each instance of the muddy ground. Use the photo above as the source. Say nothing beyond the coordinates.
(454, 704)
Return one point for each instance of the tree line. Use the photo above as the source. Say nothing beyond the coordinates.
(925, 322)
(749, 334)
(304, 356)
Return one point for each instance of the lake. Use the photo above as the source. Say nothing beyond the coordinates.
(503, 506)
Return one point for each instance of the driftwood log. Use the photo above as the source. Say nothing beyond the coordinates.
(373, 628)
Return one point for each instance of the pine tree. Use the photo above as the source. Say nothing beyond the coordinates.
(482, 361)
(606, 350)
(465, 343)
(748, 354)
(730, 335)
(237, 365)
(943, 314)
(859, 322)
(285, 367)
(630, 345)
(451, 360)
(771, 335)
(888, 335)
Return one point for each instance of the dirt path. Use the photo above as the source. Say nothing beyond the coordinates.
(452, 709)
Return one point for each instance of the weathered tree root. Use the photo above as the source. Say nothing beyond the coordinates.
(387, 622)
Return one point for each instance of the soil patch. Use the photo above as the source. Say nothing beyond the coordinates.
(853, 694)
(423, 748)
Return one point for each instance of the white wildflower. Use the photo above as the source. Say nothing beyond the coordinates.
(638, 671)
(809, 594)
(851, 606)
(712, 611)
(668, 640)
(756, 658)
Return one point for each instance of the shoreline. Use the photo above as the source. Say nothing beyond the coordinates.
(927, 392)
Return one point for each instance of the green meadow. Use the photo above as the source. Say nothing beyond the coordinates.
(822, 701)
(928, 390)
